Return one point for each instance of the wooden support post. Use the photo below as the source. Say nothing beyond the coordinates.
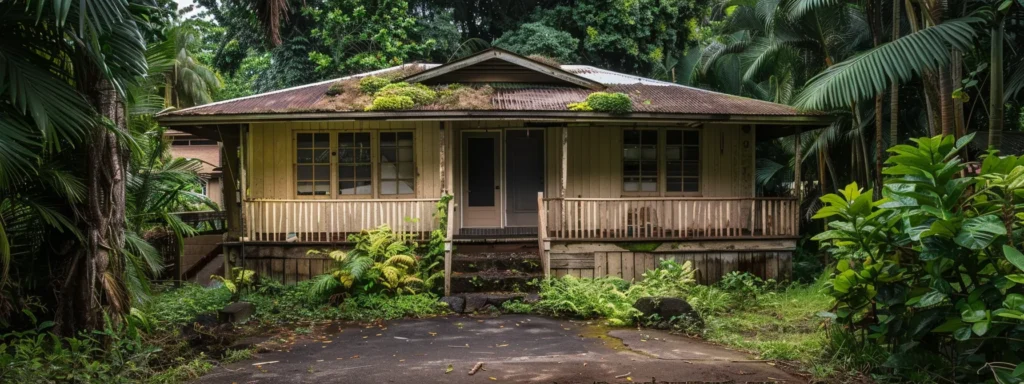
(542, 234)
(449, 233)
(231, 143)
(443, 154)
(798, 184)
(565, 162)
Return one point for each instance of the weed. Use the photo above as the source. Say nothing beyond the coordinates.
(236, 355)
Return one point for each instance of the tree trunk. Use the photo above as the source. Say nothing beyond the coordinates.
(995, 97)
(945, 101)
(94, 282)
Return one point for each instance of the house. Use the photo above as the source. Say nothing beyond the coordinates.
(584, 193)
(207, 152)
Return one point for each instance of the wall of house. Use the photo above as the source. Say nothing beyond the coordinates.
(595, 159)
(271, 155)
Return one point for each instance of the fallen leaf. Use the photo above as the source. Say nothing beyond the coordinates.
(449, 369)
(432, 334)
(493, 378)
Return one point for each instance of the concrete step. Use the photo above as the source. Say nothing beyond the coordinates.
(476, 302)
(494, 281)
(504, 261)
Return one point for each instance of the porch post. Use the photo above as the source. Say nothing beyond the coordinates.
(442, 156)
(230, 147)
(797, 181)
(565, 162)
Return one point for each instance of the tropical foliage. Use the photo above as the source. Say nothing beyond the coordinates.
(933, 272)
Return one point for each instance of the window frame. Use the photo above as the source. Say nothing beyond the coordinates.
(659, 154)
(700, 163)
(332, 165)
(379, 174)
(335, 161)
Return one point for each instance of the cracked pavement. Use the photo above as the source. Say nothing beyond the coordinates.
(512, 348)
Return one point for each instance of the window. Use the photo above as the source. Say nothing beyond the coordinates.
(682, 161)
(397, 169)
(313, 164)
(640, 161)
(354, 164)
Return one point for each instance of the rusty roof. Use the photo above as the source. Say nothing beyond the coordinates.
(649, 96)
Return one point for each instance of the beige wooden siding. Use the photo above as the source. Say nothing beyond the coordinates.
(272, 155)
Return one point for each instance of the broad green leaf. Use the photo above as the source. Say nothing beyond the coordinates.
(980, 328)
(930, 298)
(1016, 278)
(950, 325)
(962, 334)
(1015, 257)
(979, 232)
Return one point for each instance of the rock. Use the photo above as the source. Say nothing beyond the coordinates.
(455, 303)
(475, 303)
(498, 300)
(670, 310)
(531, 298)
(237, 312)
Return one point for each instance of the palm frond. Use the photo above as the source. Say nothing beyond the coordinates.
(871, 72)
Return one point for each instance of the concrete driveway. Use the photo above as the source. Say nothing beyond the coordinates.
(512, 348)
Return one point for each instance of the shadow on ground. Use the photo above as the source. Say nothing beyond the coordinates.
(512, 348)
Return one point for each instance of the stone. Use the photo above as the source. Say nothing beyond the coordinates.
(669, 309)
(475, 303)
(532, 298)
(237, 312)
(455, 303)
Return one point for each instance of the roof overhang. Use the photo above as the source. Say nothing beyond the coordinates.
(181, 122)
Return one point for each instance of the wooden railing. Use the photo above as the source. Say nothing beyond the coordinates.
(669, 218)
(333, 220)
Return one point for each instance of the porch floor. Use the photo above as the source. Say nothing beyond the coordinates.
(496, 233)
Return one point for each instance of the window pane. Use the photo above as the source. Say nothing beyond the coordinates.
(405, 139)
(387, 171)
(305, 172)
(631, 185)
(674, 137)
(631, 168)
(304, 140)
(346, 172)
(691, 185)
(388, 187)
(405, 187)
(673, 153)
(631, 153)
(691, 155)
(387, 140)
(387, 155)
(322, 172)
(650, 153)
(304, 188)
(405, 171)
(649, 137)
(363, 187)
(631, 137)
(363, 171)
(674, 185)
(405, 154)
(674, 169)
(323, 188)
(691, 137)
(649, 185)
(322, 155)
(346, 187)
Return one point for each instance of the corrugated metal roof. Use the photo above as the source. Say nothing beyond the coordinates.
(648, 95)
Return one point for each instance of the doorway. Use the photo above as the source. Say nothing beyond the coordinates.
(481, 197)
(524, 175)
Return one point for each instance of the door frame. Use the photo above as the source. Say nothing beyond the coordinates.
(499, 135)
(504, 176)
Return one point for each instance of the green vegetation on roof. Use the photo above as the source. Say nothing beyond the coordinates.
(614, 103)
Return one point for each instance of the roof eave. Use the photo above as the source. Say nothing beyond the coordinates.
(803, 120)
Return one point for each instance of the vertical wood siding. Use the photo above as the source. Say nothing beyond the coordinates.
(271, 165)
(710, 265)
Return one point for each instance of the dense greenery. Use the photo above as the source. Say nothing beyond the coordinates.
(613, 103)
(932, 271)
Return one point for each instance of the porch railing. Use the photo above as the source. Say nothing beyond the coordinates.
(669, 217)
(333, 220)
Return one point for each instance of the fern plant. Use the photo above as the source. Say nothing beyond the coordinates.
(239, 279)
(380, 261)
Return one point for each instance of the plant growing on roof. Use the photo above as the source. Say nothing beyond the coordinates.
(391, 103)
(614, 103)
(371, 84)
(419, 93)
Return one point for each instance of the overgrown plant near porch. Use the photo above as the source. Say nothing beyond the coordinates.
(382, 261)
(932, 272)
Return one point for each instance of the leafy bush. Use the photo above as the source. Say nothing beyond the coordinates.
(391, 103)
(419, 93)
(615, 103)
(180, 306)
(293, 303)
(932, 271)
(381, 261)
(747, 285)
(239, 279)
(611, 297)
(371, 84)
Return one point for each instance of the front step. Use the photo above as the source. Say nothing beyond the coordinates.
(495, 281)
(495, 267)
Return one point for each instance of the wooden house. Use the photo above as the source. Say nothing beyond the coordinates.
(586, 193)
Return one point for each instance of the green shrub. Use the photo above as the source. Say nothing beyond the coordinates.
(932, 271)
(419, 93)
(610, 297)
(516, 306)
(614, 103)
(371, 84)
(391, 103)
(177, 307)
(381, 261)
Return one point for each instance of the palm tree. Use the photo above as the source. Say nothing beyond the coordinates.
(74, 186)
